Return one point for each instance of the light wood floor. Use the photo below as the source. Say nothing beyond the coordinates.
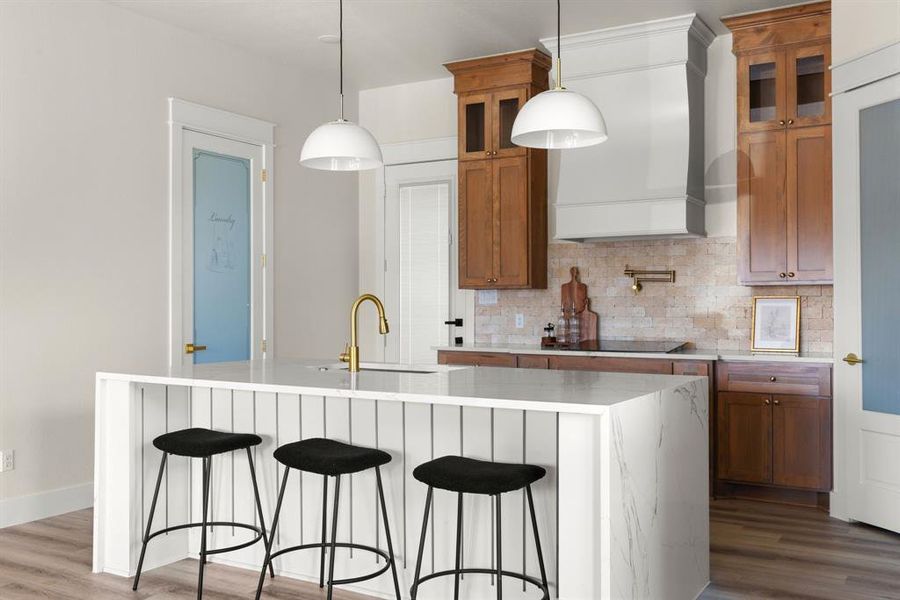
(758, 551)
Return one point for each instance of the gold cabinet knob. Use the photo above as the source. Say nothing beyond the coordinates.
(777, 402)
(487, 153)
(772, 378)
(790, 121)
(782, 275)
(852, 359)
(781, 122)
(791, 274)
(767, 401)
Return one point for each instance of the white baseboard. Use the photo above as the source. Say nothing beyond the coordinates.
(23, 509)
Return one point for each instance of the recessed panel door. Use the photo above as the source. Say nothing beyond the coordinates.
(808, 204)
(762, 209)
(744, 426)
(476, 224)
(511, 227)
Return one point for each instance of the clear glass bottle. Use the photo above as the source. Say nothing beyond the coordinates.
(574, 331)
(562, 327)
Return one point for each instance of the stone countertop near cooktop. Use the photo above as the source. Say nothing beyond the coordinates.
(692, 354)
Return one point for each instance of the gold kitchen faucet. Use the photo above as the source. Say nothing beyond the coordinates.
(351, 352)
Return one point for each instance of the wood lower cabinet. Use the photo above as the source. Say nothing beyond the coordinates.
(767, 437)
(611, 364)
(477, 359)
(744, 425)
(801, 442)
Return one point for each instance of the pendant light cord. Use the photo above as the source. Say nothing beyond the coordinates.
(341, 52)
(558, 45)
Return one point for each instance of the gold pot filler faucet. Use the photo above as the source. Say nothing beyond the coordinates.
(351, 352)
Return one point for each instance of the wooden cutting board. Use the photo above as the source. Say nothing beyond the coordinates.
(575, 291)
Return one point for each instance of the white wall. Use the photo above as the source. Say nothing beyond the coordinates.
(83, 214)
(860, 26)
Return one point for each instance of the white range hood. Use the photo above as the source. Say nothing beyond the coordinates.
(647, 179)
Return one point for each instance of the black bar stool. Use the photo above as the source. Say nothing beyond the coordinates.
(331, 459)
(470, 476)
(204, 443)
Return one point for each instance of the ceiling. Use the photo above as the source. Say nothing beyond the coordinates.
(388, 42)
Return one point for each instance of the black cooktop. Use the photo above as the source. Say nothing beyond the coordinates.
(660, 346)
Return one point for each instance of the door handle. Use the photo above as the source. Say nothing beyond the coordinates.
(456, 322)
(852, 359)
(191, 348)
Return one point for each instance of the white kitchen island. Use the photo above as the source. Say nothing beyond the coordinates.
(622, 512)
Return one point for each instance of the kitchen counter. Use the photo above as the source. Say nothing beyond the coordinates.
(691, 354)
(611, 443)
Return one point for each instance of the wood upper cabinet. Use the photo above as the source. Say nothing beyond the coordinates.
(784, 144)
(762, 207)
(503, 187)
(808, 204)
(744, 426)
(476, 223)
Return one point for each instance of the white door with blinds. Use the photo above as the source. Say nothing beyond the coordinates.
(421, 292)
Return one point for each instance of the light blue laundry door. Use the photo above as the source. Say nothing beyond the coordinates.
(221, 249)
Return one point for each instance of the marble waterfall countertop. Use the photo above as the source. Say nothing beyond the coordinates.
(623, 511)
(692, 354)
(582, 392)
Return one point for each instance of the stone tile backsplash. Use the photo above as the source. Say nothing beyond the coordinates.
(705, 306)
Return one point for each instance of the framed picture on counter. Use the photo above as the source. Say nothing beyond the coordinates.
(776, 324)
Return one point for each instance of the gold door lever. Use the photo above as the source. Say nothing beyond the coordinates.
(852, 359)
(191, 348)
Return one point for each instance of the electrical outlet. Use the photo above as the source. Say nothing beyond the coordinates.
(7, 460)
(520, 320)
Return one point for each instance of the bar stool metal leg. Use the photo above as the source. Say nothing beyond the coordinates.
(207, 464)
(334, 521)
(537, 538)
(268, 559)
(387, 532)
(162, 468)
(499, 552)
(415, 587)
(459, 528)
(324, 530)
(259, 510)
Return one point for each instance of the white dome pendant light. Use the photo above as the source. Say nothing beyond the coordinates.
(559, 118)
(341, 145)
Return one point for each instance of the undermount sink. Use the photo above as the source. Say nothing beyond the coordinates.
(393, 368)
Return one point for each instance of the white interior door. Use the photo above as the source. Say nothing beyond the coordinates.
(222, 287)
(421, 291)
(867, 297)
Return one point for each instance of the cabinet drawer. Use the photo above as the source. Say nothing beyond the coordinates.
(603, 363)
(686, 367)
(532, 361)
(774, 378)
(477, 359)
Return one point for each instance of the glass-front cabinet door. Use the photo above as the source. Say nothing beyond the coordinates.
(505, 106)
(761, 93)
(475, 126)
(808, 85)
